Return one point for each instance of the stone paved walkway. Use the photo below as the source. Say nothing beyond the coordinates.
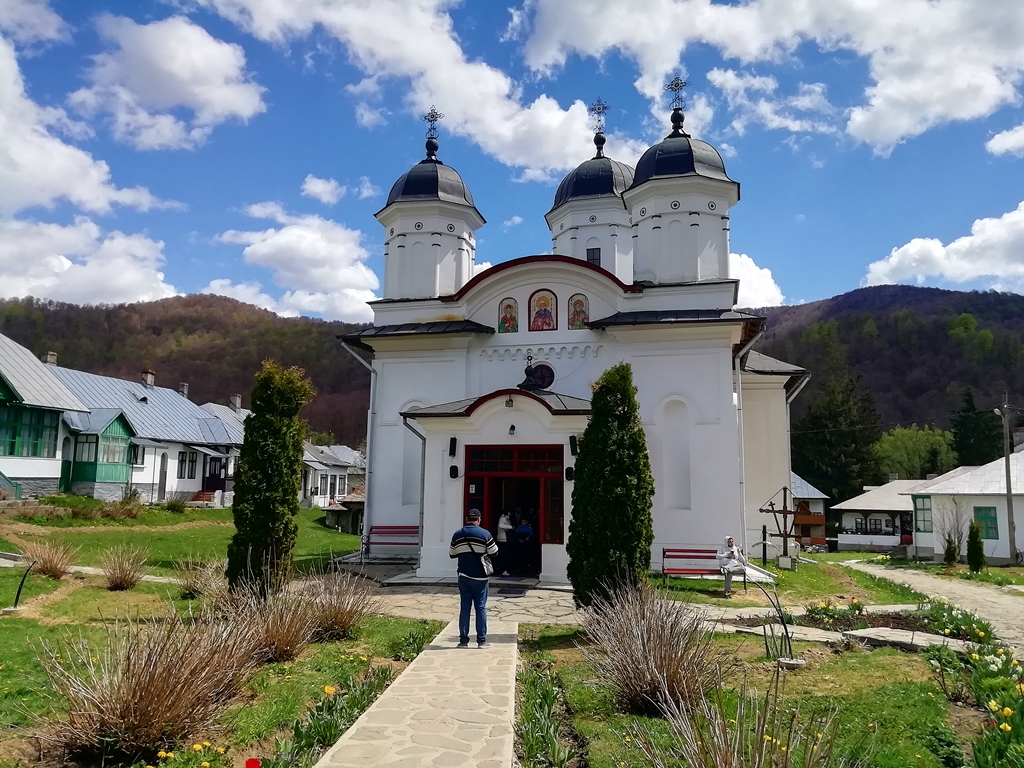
(450, 707)
(529, 606)
(1004, 610)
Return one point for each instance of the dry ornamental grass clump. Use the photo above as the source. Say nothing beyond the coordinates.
(341, 600)
(282, 622)
(148, 686)
(647, 647)
(51, 558)
(197, 578)
(123, 566)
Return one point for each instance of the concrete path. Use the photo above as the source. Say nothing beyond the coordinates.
(1004, 610)
(88, 570)
(450, 707)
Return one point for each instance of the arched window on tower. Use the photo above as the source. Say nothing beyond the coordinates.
(594, 252)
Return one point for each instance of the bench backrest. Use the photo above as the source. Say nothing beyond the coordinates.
(690, 557)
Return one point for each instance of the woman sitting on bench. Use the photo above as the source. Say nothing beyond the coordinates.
(731, 561)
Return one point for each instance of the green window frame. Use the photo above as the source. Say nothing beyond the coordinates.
(28, 432)
(923, 514)
(989, 522)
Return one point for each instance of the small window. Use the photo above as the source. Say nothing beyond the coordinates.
(594, 256)
(858, 525)
(875, 525)
(86, 447)
(323, 485)
(342, 485)
(137, 455)
(923, 514)
(986, 518)
(193, 458)
(182, 459)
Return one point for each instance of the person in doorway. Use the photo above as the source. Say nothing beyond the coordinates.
(732, 561)
(524, 545)
(504, 527)
(470, 544)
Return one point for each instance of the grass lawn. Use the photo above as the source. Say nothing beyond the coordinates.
(886, 699)
(7, 546)
(808, 583)
(35, 585)
(315, 544)
(93, 603)
(151, 516)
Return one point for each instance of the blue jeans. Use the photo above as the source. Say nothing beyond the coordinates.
(474, 594)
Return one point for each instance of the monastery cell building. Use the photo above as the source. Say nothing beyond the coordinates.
(481, 383)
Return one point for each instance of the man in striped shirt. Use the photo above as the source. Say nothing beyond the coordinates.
(469, 544)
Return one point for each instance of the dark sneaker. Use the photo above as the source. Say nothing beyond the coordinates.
(463, 644)
(483, 644)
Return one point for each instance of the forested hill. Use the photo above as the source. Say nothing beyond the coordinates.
(214, 343)
(915, 349)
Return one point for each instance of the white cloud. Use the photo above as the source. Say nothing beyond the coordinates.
(994, 250)
(369, 117)
(321, 264)
(153, 70)
(1011, 141)
(909, 47)
(753, 99)
(249, 293)
(481, 266)
(37, 168)
(80, 263)
(757, 286)
(327, 191)
(515, 221)
(366, 189)
(31, 21)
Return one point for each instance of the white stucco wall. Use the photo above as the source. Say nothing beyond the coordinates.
(994, 550)
(766, 449)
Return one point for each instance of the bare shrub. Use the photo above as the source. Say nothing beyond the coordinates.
(123, 566)
(282, 622)
(175, 504)
(341, 600)
(765, 733)
(196, 578)
(645, 647)
(90, 512)
(52, 558)
(144, 685)
(128, 508)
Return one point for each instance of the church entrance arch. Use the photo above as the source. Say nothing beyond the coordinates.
(527, 479)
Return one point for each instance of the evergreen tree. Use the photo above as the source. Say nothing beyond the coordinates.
(975, 548)
(977, 435)
(611, 532)
(267, 480)
(833, 443)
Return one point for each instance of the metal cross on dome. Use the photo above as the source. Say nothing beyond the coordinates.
(432, 117)
(597, 111)
(675, 87)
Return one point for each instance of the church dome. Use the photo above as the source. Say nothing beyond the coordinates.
(430, 179)
(599, 176)
(679, 155)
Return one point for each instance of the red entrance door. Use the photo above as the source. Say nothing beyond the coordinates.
(527, 478)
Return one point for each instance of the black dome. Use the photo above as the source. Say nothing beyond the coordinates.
(599, 176)
(680, 155)
(430, 179)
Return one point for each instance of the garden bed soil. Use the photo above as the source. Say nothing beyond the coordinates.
(907, 621)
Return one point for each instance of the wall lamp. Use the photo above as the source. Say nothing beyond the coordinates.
(453, 472)
(573, 445)
(512, 430)
(508, 402)
(453, 444)
(570, 472)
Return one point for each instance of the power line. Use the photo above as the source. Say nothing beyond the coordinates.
(981, 412)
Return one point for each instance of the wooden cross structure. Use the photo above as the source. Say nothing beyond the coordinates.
(786, 526)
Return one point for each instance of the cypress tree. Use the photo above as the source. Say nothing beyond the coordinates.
(611, 531)
(975, 548)
(268, 477)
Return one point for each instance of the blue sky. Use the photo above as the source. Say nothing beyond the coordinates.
(241, 147)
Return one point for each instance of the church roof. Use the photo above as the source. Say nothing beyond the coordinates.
(678, 154)
(415, 329)
(430, 179)
(599, 176)
(560, 405)
(673, 316)
(769, 366)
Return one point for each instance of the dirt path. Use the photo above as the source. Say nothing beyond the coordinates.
(9, 529)
(33, 607)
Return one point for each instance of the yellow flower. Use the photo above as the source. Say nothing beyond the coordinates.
(220, 750)
(628, 739)
(821, 605)
(1013, 663)
(1000, 652)
(197, 747)
(993, 706)
(170, 755)
(1007, 712)
(853, 599)
(947, 631)
(819, 735)
(205, 764)
(1005, 728)
(363, 658)
(161, 754)
(206, 744)
(330, 690)
(287, 677)
(975, 656)
(980, 633)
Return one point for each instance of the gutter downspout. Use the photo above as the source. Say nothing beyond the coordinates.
(737, 364)
(423, 479)
(371, 422)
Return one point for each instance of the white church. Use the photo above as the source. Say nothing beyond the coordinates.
(481, 382)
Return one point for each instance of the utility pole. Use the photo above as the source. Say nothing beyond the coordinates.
(1011, 526)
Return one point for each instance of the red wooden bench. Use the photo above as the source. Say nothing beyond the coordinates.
(392, 536)
(693, 561)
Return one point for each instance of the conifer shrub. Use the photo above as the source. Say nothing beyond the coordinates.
(268, 477)
(975, 548)
(611, 532)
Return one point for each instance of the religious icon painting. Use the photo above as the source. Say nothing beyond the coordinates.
(543, 309)
(579, 312)
(508, 316)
